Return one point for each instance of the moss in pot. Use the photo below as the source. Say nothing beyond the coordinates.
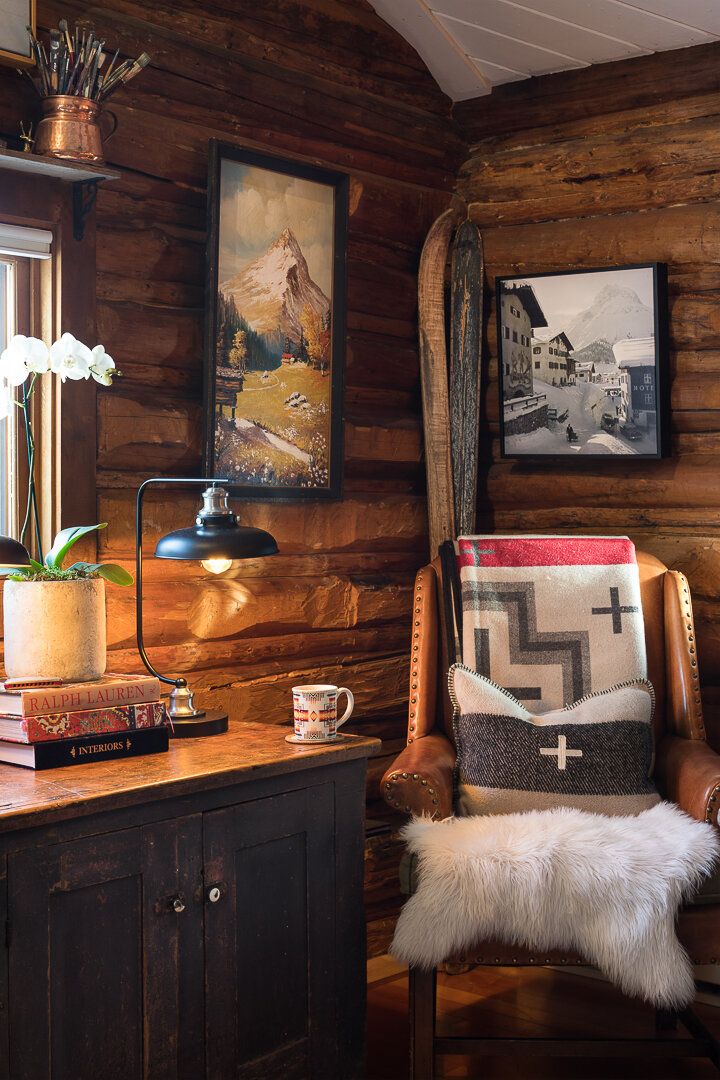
(54, 618)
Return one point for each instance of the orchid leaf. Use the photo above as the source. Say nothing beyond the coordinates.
(113, 573)
(65, 540)
(34, 564)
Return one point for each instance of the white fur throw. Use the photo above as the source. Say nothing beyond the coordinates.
(606, 888)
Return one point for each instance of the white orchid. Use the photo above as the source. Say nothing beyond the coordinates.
(7, 400)
(23, 356)
(102, 366)
(70, 359)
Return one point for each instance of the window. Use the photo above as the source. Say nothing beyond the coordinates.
(506, 333)
(507, 369)
(537, 350)
(515, 337)
(537, 363)
(514, 311)
(20, 250)
(647, 378)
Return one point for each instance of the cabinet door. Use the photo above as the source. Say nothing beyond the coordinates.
(105, 975)
(270, 938)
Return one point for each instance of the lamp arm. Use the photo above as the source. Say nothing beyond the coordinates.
(174, 481)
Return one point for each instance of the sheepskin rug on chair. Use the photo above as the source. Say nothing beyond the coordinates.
(606, 888)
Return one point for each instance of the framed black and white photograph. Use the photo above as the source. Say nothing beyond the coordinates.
(15, 17)
(583, 362)
(275, 318)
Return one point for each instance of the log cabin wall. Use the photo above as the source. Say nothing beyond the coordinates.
(321, 80)
(614, 164)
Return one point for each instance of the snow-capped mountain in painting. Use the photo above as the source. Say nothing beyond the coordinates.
(272, 292)
(616, 313)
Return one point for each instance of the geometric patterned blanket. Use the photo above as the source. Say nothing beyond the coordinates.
(551, 618)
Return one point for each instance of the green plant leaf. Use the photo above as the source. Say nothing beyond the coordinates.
(65, 540)
(117, 575)
(34, 564)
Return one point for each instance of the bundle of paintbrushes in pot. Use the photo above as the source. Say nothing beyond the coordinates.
(74, 81)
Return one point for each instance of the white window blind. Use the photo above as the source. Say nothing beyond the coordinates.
(19, 240)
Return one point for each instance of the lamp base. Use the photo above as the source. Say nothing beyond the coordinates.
(212, 722)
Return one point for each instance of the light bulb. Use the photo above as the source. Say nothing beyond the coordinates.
(216, 566)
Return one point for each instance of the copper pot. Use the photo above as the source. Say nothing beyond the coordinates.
(70, 128)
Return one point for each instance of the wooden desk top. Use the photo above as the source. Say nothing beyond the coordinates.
(29, 798)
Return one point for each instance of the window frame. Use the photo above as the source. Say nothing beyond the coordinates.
(63, 299)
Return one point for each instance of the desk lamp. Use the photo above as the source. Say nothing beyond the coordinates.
(215, 540)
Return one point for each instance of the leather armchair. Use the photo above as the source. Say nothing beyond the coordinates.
(420, 780)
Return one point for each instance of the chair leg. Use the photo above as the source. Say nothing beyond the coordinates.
(422, 1023)
(665, 1020)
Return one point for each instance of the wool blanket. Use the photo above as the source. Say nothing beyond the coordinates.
(606, 889)
(551, 618)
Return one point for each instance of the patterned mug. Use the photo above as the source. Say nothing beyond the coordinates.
(315, 712)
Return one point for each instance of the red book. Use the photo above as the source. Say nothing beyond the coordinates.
(71, 725)
(108, 692)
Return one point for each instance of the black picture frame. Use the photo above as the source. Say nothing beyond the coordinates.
(221, 151)
(504, 286)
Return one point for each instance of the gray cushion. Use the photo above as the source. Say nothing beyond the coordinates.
(594, 755)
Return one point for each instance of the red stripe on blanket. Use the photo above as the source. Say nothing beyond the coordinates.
(546, 551)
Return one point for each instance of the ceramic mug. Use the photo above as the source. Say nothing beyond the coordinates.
(315, 712)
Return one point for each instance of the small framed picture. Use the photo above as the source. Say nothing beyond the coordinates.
(275, 325)
(15, 17)
(583, 363)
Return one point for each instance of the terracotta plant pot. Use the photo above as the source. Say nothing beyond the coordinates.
(55, 629)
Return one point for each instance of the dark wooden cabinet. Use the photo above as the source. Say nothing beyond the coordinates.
(214, 933)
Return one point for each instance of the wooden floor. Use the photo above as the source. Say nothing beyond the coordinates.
(520, 1001)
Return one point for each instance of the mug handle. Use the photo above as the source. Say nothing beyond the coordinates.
(351, 705)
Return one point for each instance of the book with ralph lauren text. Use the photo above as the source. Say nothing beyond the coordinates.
(107, 692)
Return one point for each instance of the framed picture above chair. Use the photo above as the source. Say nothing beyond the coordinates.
(15, 18)
(583, 362)
(275, 324)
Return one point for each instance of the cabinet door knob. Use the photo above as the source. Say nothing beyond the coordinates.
(214, 894)
(177, 904)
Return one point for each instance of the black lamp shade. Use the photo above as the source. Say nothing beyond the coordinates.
(217, 541)
(12, 553)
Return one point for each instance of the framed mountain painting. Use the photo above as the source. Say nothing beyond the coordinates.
(583, 360)
(275, 325)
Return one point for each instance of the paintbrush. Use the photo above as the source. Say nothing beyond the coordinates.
(125, 74)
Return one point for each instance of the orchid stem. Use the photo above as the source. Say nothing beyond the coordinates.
(32, 494)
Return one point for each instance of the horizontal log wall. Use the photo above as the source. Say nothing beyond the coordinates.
(610, 165)
(320, 80)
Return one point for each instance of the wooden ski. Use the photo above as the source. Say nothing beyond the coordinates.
(434, 379)
(466, 321)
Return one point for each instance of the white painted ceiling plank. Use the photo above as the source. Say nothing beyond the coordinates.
(452, 69)
(702, 14)
(496, 74)
(617, 19)
(522, 23)
(486, 44)
(472, 45)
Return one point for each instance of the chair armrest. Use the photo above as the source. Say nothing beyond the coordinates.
(688, 771)
(420, 780)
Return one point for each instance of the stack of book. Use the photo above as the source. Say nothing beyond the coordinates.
(45, 724)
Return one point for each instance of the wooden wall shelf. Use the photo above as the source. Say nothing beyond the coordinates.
(71, 171)
(84, 179)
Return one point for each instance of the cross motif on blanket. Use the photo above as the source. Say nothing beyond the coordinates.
(561, 751)
(616, 610)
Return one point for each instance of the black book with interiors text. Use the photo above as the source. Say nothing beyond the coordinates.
(80, 751)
